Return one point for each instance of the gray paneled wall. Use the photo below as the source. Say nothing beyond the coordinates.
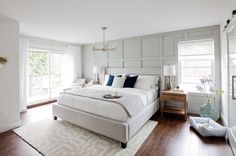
(149, 51)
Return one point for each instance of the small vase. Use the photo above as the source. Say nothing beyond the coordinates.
(209, 110)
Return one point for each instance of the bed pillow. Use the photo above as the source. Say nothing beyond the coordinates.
(146, 82)
(106, 79)
(130, 81)
(110, 79)
(118, 82)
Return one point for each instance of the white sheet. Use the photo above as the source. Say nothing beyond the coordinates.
(103, 108)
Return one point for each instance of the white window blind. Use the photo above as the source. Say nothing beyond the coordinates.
(196, 59)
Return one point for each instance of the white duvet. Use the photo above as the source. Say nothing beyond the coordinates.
(106, 109)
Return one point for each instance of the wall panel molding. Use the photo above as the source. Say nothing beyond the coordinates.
(148, 51)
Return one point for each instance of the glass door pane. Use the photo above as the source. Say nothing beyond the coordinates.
(56, 73)
(38, 76)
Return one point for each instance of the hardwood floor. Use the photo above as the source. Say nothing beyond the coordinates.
(174, 137)
(171, 137)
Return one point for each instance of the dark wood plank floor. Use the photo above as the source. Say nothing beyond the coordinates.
(174, 137)
(171, 137)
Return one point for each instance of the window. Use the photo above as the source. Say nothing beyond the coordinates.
(46, 75)
(196, 59)
(38, 69)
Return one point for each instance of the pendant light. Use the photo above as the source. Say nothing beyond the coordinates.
(105, 46)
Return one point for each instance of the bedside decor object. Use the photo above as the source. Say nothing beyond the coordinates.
(207, 87)
(105, 46)
(207, 127)
(169, 70)
(96, 71)
(78, 83)
(176, 89)
(3, 61)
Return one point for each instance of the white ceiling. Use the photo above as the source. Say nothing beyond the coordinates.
(79, 21)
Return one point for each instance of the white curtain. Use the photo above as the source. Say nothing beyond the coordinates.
(77, 60)
(24, 46)
(72, 65)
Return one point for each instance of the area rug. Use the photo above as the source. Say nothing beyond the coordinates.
(60, 138)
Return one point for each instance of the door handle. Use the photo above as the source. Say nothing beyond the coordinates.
(233, 78)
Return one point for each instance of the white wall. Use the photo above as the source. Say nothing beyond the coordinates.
(224, 65)
(224, 77)
(9, 75)
(152, 51)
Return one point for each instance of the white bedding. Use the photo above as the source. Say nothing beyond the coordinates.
(105, 108)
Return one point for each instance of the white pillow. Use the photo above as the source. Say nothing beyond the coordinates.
(118, 82)
(106, 79)
(146, 82)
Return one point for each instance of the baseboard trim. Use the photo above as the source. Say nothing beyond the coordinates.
(193, 111)
(225, 122)
(41, 104)
(9, 126)
(232, 140)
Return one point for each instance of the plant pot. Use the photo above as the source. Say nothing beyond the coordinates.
(209, 110)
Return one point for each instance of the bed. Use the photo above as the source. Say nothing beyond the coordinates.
(119, 119)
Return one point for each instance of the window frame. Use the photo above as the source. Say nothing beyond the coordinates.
(180, 60)
(49, 52)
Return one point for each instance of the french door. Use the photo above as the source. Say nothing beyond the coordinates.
(45, 75)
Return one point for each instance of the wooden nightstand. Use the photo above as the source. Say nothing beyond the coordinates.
(175, 97)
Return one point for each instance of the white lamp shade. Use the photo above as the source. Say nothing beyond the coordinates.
(169, 70)
(97, 70)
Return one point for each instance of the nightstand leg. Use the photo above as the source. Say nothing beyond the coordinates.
(162, 103)
(185, 111)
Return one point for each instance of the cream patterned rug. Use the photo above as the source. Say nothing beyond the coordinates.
(60, 138)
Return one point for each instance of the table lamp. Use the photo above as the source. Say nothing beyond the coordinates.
(97, 70)
(169, 70)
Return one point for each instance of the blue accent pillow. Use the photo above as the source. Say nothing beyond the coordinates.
(110, 79)
(130, 81)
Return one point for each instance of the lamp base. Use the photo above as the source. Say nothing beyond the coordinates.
(96, 78)
(169, 85)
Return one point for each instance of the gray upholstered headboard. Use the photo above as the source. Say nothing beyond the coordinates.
(140, 71)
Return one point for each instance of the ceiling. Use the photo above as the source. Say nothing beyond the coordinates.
(79, 21)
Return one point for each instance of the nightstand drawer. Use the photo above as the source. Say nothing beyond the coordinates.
(174, 98)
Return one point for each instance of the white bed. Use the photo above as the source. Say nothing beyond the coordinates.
(102, 108)
(107, 117)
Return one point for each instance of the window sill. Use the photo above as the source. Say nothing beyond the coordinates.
(196, 93)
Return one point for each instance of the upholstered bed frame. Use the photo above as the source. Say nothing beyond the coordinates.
(117, 130)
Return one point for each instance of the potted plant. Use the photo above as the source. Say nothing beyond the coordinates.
(207, 87)
(3, 61)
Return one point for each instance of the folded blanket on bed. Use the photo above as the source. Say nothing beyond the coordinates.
(132, 104)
